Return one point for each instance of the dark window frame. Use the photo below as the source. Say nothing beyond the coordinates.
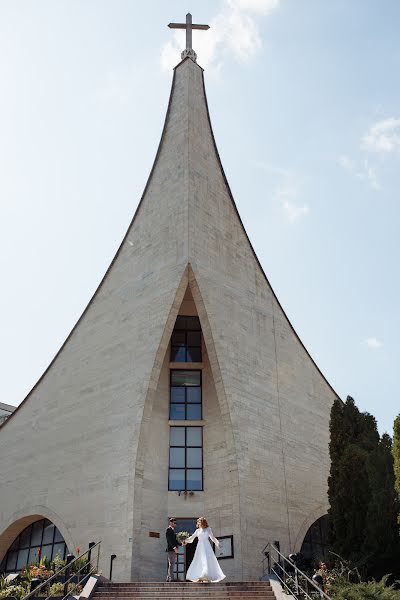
(178, 328)
(186, 387)
(186, 468)
(15, 546)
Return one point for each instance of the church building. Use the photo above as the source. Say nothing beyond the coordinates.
(183, 389)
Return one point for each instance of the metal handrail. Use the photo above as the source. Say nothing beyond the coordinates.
(297, 571)
(66, 568)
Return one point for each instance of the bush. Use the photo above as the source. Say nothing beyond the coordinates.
(372, 590)
(17, 591)
(57, 589)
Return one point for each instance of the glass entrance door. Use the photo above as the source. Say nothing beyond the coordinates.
(186, 553)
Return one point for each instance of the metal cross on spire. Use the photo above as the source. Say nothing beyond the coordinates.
(189, 26)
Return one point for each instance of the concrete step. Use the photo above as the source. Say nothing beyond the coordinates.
(235, 590)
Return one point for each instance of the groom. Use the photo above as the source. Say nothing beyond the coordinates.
(172, 548)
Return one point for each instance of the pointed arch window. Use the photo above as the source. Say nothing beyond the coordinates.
(186, 340)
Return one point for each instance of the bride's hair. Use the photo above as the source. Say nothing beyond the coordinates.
(202, 522)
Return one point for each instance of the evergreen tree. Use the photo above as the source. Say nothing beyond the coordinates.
(396, 456)
(363, 502)
(381, 544)
(353, 436)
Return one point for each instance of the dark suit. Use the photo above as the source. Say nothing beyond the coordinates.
(172, 543)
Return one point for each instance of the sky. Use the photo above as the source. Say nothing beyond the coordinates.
(305, 107)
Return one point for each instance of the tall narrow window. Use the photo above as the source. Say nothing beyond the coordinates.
(186, 340)
(185, 395)
(185, 458)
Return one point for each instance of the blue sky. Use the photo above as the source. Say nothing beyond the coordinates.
(305, 104)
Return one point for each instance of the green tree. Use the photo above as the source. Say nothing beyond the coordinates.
(381, 544)
(361, 489)
(353, 436)
(396, 456)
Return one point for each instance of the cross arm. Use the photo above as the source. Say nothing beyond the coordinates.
(183, 26)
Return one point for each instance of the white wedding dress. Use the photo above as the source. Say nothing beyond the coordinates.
(204, 564)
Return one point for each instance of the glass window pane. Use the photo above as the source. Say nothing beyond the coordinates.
(193, 458)
(15, 543)
(58, 549)
(193, 355)
(193, 394)
(177, 436)
(25, 537)
(193, 338)
(178, 394)
(194, 479)
(33, 555)
(177, 458)
(193, 412)
(185, 378)
(193, 378)
(48, 534)
(11, 561)
(22, 558)
(194, 436)
(177, 479)
(37, 529)
(180, 322)
(193, 323)
(178, 354)
(46, 551)
(58, 537)
(177, 412)
(178, 338)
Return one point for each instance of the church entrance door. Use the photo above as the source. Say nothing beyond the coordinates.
(186, 553)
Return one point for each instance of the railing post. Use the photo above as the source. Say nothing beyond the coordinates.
(112, 558)
(89, 556)
(35, 581)
(70, 558)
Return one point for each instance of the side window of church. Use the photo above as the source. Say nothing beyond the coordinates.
(186, 340)
(186, 459)
(185, 395)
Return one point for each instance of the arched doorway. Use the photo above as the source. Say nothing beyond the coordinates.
(315, 543)
(40, 538)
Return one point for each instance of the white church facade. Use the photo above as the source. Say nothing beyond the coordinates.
(183, 390)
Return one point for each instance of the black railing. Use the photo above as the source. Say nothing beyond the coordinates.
(72, 577)
(112, 558)
(294, 581)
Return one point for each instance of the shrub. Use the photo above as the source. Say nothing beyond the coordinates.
(17, 591)
(371, 590)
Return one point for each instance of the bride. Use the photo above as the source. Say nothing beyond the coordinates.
(204, 567)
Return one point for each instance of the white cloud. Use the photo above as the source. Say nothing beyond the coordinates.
(373, 342)
(287, 193)
(347, 163)
(295, 211)
(369, 174)
(383, 136)
(233, 32)
(257, 6)
(274, 169)
(363, 172)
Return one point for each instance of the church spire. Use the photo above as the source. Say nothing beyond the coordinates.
(189, 26)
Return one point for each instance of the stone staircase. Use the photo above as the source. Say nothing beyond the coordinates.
(246, 590)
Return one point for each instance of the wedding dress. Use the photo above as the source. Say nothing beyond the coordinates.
(204, 565)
